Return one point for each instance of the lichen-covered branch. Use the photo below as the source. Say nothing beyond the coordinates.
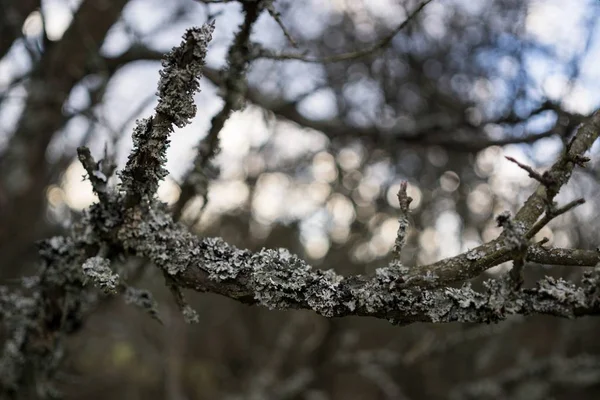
(515, 240)
(474, 262)
(560, 172)
(404, 201)
(48, 80)
(36, 319)
(179, 81)
(279, 280)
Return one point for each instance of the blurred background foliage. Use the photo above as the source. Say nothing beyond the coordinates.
(312, 163)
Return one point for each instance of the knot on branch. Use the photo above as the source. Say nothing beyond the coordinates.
(579, 160)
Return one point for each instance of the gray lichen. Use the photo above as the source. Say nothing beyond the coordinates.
(278, 279)
(474, 255)
(98, 270)
(190, 315)
(179, 81)
(179, 78)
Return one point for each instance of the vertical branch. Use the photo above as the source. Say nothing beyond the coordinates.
(404, 202)
(197, 179)
(179, 81)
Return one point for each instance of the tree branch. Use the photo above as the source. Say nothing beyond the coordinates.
(471, 264)
(181, 71)
(279, 280)
(560, 172)
(404, 201)
(197, 179)
(380, 45)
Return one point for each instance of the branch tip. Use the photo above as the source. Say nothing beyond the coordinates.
(544, 178)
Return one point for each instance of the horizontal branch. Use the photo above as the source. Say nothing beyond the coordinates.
(279, 280)
(454, 269)
(471, 264)
(475, 261)
(272, 278)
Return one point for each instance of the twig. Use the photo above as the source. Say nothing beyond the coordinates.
(196, 181)
(544, 179)
(550, 214)
(189, 314)
(560, 172)
(264, 53)
(277, 17)
(97, 176)
(404, 201)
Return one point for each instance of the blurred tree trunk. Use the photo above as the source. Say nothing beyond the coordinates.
(24, 170)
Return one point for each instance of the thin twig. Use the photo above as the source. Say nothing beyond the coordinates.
(380, 45)
(196, 181)
(97, 176)
(404, 201)
(544, 179)
(550, 215)
(189, 314)
(277, 17)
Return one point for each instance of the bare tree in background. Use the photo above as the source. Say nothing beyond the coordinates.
(383, 126)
